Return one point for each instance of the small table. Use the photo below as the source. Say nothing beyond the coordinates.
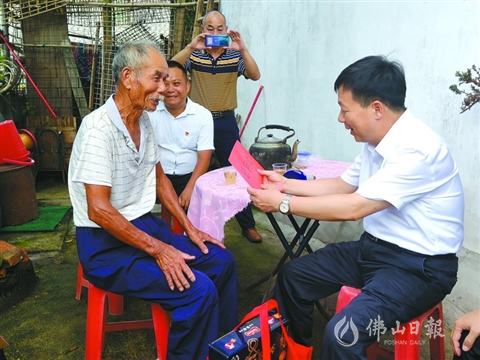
(213, 203)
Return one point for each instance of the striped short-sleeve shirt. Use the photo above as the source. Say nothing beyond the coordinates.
(214, 81)
(104, 154)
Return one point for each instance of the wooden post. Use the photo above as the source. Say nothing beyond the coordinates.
(75, 82)
(198, 19)
(179, 30)
(209, 6)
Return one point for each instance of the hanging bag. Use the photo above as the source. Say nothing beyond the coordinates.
(295, 351)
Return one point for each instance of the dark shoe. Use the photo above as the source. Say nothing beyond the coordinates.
(252, 235)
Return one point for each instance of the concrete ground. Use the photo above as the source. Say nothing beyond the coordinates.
(50, 324)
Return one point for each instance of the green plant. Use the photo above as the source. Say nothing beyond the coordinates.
(27, 109)
(5, 107)
(2, 61)
(472, 94)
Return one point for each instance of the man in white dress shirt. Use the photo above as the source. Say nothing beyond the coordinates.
(184, 133)
(405, 186)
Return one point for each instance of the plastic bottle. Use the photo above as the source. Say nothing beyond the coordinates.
(298, 174)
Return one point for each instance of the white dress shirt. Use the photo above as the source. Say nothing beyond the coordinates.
(179, 139)
(413, 170)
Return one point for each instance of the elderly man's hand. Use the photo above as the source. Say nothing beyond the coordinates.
(173, 264)
(199, 237)
(468, 322)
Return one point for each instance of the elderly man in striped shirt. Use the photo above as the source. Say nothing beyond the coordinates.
(114, 178)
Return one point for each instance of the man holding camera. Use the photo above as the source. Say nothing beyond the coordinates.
(214, 72)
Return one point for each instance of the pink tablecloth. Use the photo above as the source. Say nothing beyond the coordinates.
(213, 202)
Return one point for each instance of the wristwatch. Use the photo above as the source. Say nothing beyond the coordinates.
(285, 205)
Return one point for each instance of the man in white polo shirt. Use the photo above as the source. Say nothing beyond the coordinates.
(184, 133)
(405, 186)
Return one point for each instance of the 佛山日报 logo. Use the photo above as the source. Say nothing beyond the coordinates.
(341, 329)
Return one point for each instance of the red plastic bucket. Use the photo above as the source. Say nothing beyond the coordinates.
(12, 149)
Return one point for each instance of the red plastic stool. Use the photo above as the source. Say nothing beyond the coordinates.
(97, 325)
(173, 224)
(407, 345)
(115, 301)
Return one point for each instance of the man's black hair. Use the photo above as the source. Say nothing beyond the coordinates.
(375, 78)
(176, 64)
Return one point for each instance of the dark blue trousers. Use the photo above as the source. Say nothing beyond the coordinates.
(199, 314)
(225, 135)
(397, 286)
(473, 353)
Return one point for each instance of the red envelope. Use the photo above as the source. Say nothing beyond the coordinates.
(246, 165)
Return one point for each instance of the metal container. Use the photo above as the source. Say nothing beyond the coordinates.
(270, 149)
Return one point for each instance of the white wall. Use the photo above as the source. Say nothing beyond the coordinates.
(302, 46)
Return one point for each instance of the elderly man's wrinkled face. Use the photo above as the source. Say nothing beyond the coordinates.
(149, 85)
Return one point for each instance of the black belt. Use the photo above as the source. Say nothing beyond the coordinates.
(399, 248)
(222, 114)
(176, 176)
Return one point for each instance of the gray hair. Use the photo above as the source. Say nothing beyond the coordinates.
(133, 55)
(204, 20)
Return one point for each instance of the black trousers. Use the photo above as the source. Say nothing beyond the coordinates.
(473, 353)
(397, 286)
(179, 182)
(225, 135)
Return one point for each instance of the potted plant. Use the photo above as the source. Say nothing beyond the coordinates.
(472, 93)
